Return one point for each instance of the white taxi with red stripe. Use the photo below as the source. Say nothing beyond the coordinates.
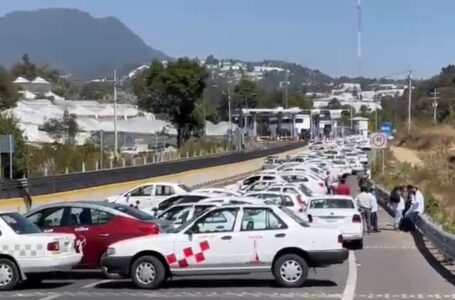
(337, 212)
(227, 240)
(26, 252)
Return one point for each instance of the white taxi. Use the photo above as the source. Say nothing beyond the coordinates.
(149, 195)
(26, 252)
(337, 212)
(230, 240)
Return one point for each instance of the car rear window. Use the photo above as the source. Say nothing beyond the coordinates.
(331, 203)
(135, 213)
(19, 224)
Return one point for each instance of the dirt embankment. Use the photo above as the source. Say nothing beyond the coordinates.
(407, 155)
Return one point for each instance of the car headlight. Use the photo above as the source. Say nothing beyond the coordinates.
(110, 251)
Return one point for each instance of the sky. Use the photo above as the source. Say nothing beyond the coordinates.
(397, 35)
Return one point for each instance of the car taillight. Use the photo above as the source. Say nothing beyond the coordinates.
(150, 229)
(54, 246)
(356, 219)
(310, 218)
(340, 239)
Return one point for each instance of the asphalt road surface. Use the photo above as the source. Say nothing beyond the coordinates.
(392, 265)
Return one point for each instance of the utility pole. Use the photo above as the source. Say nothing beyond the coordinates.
(286, 89)
(435, 95)
(230, 116)
(115, 116)
(410, 100)
(350, 112)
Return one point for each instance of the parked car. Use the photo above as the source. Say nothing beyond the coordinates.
(338, 212)
(149, 195)
(28, 253)
(96, 225)
(290, 200)
(230, 240)
(250, 180)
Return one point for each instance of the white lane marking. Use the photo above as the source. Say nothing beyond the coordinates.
(93, 284)
(50, 297)
(351, 282)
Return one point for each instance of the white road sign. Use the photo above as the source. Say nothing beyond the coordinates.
(378, 140)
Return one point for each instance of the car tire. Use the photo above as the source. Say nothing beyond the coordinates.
(290, 270)
(9, 274)
(148, 272)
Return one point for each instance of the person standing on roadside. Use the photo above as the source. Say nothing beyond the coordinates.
(417, 204)
(398, 205)
(343, 188)
(364, 203)
(374, 210)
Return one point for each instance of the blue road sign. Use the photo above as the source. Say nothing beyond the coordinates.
(386, 128)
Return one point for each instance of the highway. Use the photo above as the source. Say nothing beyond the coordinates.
(392, 265)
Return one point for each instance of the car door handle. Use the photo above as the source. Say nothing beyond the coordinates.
(103, 234)
(280, 235)
(226, 237)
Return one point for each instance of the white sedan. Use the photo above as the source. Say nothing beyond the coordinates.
(338, 212)
(230, 240)
(149, 195)
(27, 253)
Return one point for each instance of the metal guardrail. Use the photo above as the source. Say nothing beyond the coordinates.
(74, 181)
(442, 240)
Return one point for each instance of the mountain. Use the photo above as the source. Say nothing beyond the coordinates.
(72, 41)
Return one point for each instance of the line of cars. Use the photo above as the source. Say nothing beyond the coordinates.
(279, 220)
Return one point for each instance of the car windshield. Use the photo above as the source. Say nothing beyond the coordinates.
(135, 213)
(19, 224)
(331, 204)
(295, 217)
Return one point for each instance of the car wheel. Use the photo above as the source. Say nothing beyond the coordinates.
(148, 272)
(9, 274)
(290, 270)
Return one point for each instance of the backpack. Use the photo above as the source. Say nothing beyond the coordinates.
(395, 197)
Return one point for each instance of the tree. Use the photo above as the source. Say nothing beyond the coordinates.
(8, 91)
(245, 94)
(65, 128)
(300, 101)
(334, 104)
(96, 91)
(175, 91)
(30, 70)
(210, 60)
(363, 110)
(10, 125)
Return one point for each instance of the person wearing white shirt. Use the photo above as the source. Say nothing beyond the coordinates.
(374, 211)
(364, 203)
(398, 207)
(417, 204)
